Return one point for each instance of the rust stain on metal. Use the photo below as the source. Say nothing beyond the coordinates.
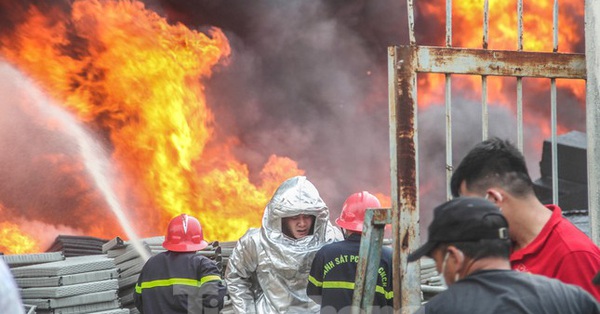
(405, 144)
(405, 239)
(404, 174)
(381, 216)
(500, 62)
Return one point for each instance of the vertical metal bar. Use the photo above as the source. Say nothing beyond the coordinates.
(369, 259)
(520, 79)
(448, 23)
(411, 22)
(555, 27)
(486, 21)
(361, 267)
(394, 90)
(402, 78)
(448, 103)
(484, 89)
(520, 113)
(554, 139)
(592, 48)
(553, 110)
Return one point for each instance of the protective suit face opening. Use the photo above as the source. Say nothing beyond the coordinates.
(298, 226)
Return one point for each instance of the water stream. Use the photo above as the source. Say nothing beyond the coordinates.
(93, 155)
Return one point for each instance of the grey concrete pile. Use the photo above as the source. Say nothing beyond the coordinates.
(52, 283)
(226, 250)
(431, 283)
(77, 245)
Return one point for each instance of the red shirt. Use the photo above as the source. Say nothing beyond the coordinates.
(561, 251)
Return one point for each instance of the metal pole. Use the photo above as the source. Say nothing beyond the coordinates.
(371, 243)
(592, 45)
(520, 79)
(448, 102)
(484, 85)
(404, 176)
(553, 113)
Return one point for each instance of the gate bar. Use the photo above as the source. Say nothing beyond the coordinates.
(371, 243)
(404, 176)
(498, 62)
(592, 48)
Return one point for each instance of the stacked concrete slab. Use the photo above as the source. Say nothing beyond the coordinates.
(82, 284)
(77, 245)
(431, 282)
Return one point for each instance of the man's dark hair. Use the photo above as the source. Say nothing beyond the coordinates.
(493, 162)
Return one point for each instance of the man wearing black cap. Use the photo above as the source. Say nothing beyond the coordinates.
(468, 239)
(544, 242)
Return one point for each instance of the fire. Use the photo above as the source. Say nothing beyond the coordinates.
(128, 74)
(14, 241)
(385, 200)
(467, 32)
(137, 82)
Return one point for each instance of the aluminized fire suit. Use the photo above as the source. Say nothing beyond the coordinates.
(268, 271)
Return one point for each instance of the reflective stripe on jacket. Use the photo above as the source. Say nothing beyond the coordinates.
(332, 275)
(174, 282)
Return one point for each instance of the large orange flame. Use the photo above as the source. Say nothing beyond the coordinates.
(467, 30)
(137, 81)
(15, 241)
(126, 72)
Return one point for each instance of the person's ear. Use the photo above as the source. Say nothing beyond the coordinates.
(494, 196)
(457, 255)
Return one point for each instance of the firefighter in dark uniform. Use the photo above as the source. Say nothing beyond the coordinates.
(331, 279)
(179, 280)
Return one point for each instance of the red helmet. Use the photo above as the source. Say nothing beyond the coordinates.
(353, 211)
(184, 234)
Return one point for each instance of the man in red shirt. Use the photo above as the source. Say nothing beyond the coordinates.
(544, 242)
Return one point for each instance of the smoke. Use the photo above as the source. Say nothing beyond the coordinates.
(466, 133)
(43, 177)
(306, 80)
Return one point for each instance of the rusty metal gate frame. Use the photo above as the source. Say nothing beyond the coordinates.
(404, 62)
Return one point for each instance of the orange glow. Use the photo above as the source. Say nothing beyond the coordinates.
(125, 71)
(138, 82)
(385, 200)
(15, 241)
(467, 32)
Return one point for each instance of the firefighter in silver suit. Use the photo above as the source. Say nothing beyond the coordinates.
(268, 269)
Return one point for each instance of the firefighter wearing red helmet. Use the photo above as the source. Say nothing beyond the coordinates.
(332, 274)
(179, 280)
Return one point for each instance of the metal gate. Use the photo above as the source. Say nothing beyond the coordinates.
(404, 62)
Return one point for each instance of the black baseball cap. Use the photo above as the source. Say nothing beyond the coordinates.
(463, 219)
